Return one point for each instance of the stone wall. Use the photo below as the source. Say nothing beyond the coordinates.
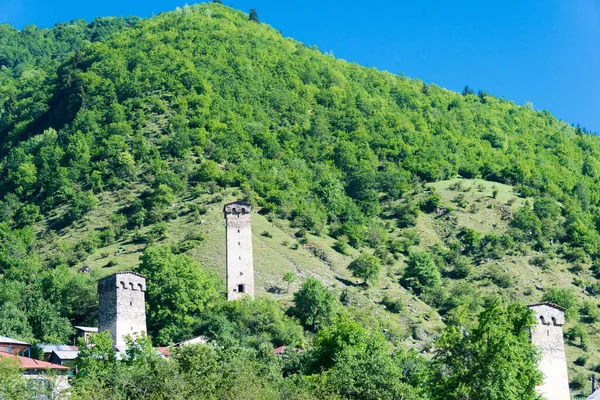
(547, 334)
(122, 306)
(240, 268)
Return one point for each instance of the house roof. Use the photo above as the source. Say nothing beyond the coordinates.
(32, 364)
(164, 351)
(595, 395)
(6, 339)
(196, 340)
(279, 350)
(66, 354)
(86, 328)
(545, 303)
(49, 348)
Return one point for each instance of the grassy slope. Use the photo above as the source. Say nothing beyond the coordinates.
(276, 255)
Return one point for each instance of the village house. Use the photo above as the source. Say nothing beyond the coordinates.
(43, 373)
(14, 346)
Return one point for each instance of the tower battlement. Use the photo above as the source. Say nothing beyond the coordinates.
(122, 306)
(240, 268)
(123, 280)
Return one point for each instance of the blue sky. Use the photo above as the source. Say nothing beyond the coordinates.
(542, 51)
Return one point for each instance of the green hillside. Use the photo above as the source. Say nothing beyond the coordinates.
(122, 140)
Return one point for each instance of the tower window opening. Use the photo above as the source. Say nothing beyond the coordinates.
(131, 303)
(238, 231)
(241, 289)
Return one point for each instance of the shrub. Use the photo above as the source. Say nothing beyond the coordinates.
(392, 305)
(267, 234)
(341, 245)
(421, 272)
(366, 267)
(159, 230)
(462, 267)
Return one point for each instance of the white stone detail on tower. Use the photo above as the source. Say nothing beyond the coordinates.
(122, 306)
(240, 269)
(547, 334)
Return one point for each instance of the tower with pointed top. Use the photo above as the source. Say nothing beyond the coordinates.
(240, 267)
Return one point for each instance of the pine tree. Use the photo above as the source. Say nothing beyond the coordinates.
(253, 15)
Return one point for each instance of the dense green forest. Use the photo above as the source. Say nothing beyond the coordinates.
(113, 131)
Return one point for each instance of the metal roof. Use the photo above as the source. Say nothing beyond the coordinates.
(49, 348)
(32, 364)
(595, 395)
(67, 354)
(6, 339)
(86, 329)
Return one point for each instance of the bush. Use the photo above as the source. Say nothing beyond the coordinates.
(589, 310)
(267, 234)
(421, 272)
(540, 261)
(392, 305)
(462, 267)
(341, 245)
(159, 230)
(366, 267)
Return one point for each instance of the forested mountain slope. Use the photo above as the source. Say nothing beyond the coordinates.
(122, 139)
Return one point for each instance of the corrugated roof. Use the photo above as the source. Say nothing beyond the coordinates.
(595, 395)
(67, 354)
(6, 339)
(49, 348)
(32, 364)
(86, 328)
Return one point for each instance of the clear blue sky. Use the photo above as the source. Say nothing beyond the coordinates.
(543, 51)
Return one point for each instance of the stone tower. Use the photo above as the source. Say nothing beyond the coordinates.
(240, 269)
(547, 334)
(122, 306)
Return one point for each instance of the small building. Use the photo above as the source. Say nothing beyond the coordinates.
(14, 346)
(84, 332)
(66, 358)
(41, 372)
(47, 349)
(197, 340)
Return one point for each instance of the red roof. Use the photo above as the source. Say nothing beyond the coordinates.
(279, 350)
(164, 351)
(30, 363)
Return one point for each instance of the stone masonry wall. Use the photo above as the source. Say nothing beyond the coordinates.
(240, 268)
(122, 306)
(548, 335)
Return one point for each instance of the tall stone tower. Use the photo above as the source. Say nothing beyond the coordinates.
(240, 269)
(122, 306)
(548, 335)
